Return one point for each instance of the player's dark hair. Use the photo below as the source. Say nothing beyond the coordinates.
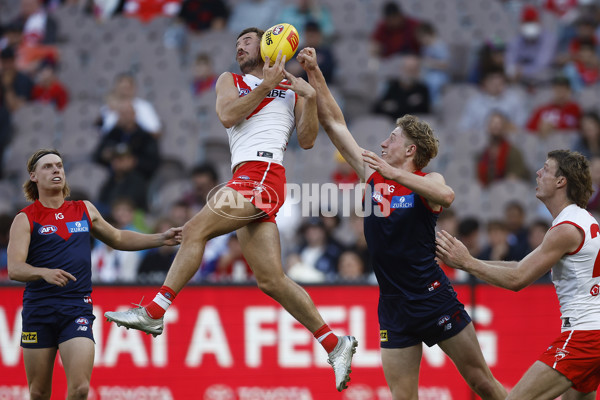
(576, 168)
(259, 32)
(29, 187)
(421, 134)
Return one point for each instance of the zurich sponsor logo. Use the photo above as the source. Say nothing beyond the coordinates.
(47, 230)
(407, 201)
(78, 226)
(82, 321)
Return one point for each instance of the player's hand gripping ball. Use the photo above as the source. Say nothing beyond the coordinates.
(282, 37)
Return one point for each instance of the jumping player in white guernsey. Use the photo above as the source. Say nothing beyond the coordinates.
(571, 250)
(260, 109)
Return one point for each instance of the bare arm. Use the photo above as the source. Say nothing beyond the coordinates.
(231, 108)
(129, 240)
(307, 123)
(515, 276)
(331, 117)
(18, 250)
(431, 186)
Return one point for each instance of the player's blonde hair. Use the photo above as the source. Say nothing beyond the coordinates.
(29, 187)
(576, 168)
(421, 134)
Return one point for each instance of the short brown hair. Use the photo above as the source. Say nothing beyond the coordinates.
(29, 187)
(421, 134)
(259, 32)
(576, 168)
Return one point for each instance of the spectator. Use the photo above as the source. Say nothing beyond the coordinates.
(529, 56)
(124, 182)
(343, 173)
(262, 13)
(594, 202)
(231, 264)
(5, 129)
(146, 11)
(5, 223)
(203, 178)
(514, 218)
(317, 251)
(156, 261)
(48, 89)
(490, 57)
(588, 140)
(313, 37)
(584, 29)
(303, 11)
(125, 90)
(536, 232)
(140, 143)
(500, 159)
(406, 94)
(395, 33)
(350, 267)
(203, 15)
(497, 248)
(38, 26)
(493, 95)
(469, 232)
(203, 75)
(15, 86)
(584, 70)
(561, 113)
(358, 242)
(435, 55)
(109, 265)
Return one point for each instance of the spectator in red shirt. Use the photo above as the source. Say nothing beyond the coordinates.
(395, 33)
(500, 159)
(561, 113)
(584, 70)
(48, 89)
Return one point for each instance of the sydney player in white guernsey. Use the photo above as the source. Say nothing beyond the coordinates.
(260, 109)
(571, 250)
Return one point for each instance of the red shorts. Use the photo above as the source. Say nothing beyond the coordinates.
(263, 183)
(576, 355)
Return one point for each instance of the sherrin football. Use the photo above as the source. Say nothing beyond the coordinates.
(282, 37)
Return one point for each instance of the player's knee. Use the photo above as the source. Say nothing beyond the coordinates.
(270, 284)
(39, 394)
(79, 392)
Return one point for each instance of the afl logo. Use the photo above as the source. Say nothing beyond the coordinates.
(47, 230)
(278, 29)
(443, 320)
(244, 91)
(82, 321)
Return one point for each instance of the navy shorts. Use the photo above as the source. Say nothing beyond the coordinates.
(408, 323)
(48, 326)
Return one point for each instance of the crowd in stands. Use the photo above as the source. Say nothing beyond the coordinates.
(496, 102)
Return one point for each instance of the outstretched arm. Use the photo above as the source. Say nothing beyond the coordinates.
(307, 124)
(129, 240)
(231, 108)
(512, 275)
(330, 115)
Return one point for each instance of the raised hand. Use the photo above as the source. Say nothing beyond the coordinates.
(298, 85)
(273, 74)
(307, 58)
(378, 164)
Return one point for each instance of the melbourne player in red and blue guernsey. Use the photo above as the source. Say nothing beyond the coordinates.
(49, 249)
(417, 303)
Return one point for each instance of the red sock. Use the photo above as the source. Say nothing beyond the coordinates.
(326, 337)
(161, 302)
